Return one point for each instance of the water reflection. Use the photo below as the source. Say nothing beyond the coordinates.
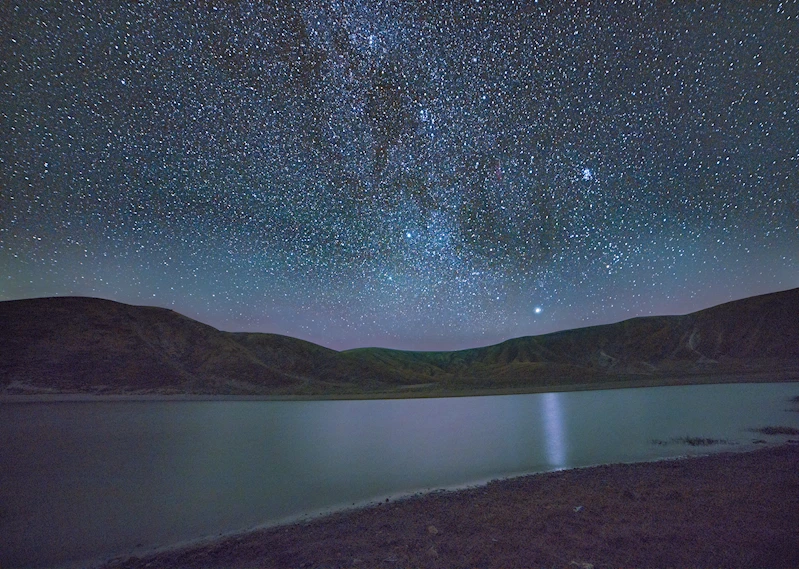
(553, 429)
(103, 478)
(393, 446)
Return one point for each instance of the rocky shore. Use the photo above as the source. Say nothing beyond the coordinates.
(722, 510)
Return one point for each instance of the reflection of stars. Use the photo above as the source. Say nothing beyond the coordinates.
(587, 174)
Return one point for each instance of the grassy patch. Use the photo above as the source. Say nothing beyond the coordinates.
(691, 441)
(780, 430)
(701, 441)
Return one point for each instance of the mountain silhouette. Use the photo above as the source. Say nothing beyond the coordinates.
(96, 346)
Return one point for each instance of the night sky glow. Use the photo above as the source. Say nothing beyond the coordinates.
(400, 173)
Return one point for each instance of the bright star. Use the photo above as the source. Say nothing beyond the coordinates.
(538, 310)
(587, 174)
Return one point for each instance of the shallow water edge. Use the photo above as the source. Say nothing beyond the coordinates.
(408, 392)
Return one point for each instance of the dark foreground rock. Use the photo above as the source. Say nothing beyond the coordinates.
(726, 510)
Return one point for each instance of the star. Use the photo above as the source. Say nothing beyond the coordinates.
(263, 166)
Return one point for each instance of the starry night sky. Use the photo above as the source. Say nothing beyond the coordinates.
(417, 175)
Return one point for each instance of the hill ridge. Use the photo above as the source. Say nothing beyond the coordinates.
(99, 346)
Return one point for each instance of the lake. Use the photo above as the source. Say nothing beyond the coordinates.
(82, 481)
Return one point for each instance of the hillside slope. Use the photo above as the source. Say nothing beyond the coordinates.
(756, 334)
(86, 345)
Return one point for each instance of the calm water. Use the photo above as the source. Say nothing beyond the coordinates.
(83, 481)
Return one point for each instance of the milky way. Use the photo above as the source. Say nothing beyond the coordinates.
(420, 175)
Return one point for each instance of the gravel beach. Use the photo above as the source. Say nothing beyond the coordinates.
(721, 510)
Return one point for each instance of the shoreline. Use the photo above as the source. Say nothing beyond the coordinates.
(404, 392)
(730, 508)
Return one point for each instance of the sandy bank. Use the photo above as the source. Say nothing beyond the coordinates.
(724, 510)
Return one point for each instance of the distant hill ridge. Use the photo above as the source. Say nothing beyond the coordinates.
(89, 345)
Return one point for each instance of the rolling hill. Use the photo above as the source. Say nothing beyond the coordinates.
(89, 345)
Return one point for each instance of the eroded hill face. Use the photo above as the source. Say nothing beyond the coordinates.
(83, 344)
(86, 345)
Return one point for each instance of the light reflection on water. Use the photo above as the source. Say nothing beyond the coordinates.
(82, 480)
(553, 427)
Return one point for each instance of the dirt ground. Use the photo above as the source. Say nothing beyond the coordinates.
(725, 510)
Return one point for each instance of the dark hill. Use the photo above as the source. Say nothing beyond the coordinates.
(86, 344)
(89, 345)
(73, 344)
(753, 335)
